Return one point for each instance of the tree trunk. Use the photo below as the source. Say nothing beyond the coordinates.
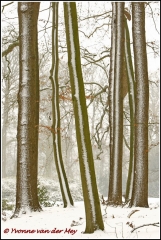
(116, 72)
(110, 95)
(131, 93)
(64, 186)
(140, 184)
(28, 102)
(90, 193)
(4, 127)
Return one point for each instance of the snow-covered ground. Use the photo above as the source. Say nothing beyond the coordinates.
(69, 223)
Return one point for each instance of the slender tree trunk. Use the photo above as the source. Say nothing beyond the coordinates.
(34, 164)
(4, 128)
(131, 93)
(64, 186)
(116, 73)
(140, 184)
(26, 189)
(90, 193)
(110, 95)
(4, 141)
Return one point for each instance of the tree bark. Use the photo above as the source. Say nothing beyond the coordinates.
(90, 193)
(140, 184)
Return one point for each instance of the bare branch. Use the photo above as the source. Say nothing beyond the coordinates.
(153, 18)
(48, 17)
(91, 34)
(45, 89)
(45, 29)
(144, 225)
(46, 9)
(103, 88)
(94, 16)
(6, 5)
(94, 61)
(98, 93)
(10, 48)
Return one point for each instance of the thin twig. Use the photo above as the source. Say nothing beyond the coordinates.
(153, 18)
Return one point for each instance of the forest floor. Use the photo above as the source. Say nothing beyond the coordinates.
(69, 223)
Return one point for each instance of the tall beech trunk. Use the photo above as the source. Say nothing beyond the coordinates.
(94, 219)
(116, 99)
(140, 184)
(110, 95)
(28, 108)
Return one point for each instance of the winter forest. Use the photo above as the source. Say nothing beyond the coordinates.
(80, 119)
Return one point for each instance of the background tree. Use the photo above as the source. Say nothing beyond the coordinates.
(9, 102)
(6, 89)
(140, 184)
(28, 102)
(90, 193)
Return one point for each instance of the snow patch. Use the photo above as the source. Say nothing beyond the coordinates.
(117, 224)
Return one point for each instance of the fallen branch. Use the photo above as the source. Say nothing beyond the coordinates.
(132, 212)
(152, 224)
